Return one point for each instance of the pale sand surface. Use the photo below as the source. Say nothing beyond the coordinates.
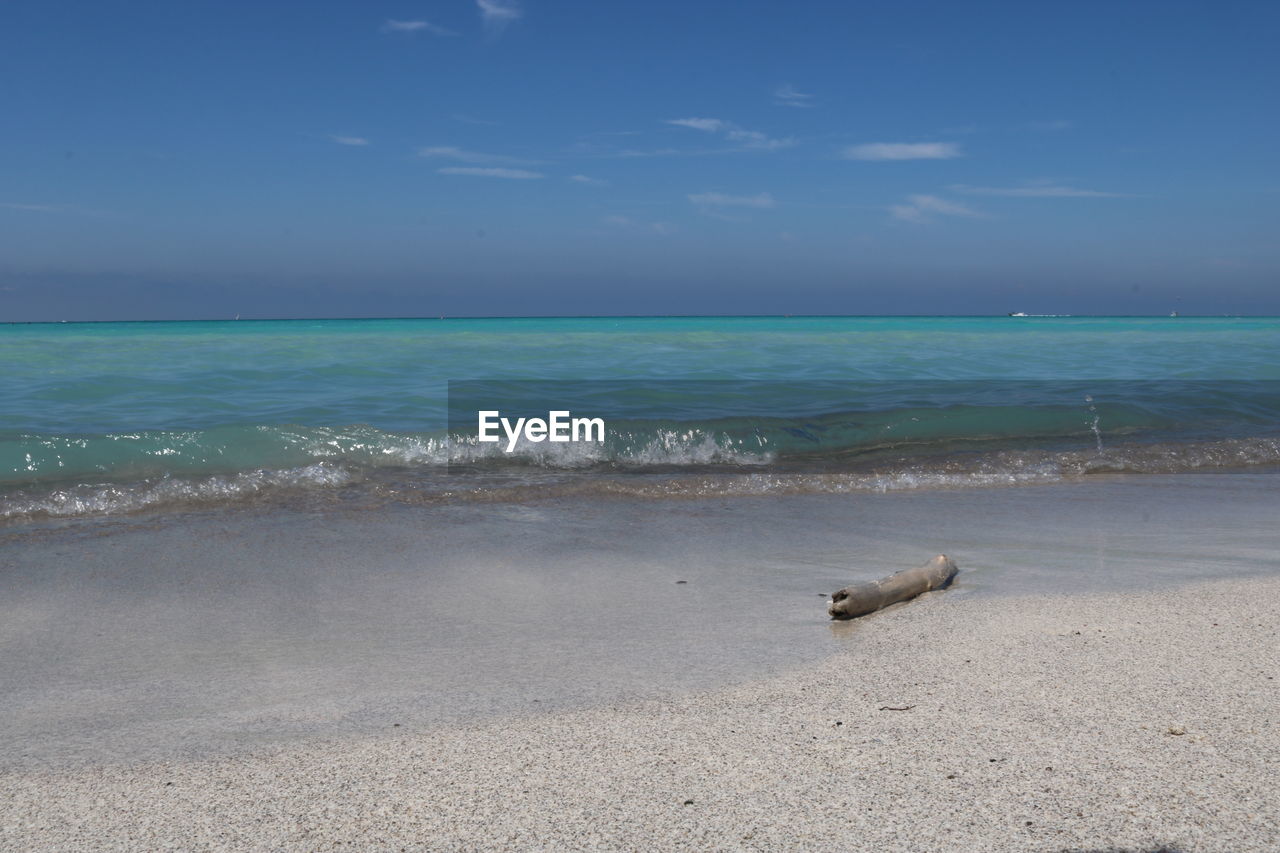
(1038, 723)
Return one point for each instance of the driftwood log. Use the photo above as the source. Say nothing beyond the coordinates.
(864, 598)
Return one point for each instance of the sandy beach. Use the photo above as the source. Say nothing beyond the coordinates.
(1124, 721)
(467, 427)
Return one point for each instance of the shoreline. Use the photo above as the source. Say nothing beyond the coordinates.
(1107, 721)
(332, 487)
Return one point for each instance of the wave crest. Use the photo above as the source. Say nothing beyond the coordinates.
(119, 499)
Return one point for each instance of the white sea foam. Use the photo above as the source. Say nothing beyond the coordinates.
(713, 469)
(666, 447)
(117, 499)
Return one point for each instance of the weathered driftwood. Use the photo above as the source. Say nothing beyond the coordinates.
(864, 598)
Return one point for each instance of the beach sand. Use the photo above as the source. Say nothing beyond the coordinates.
(1122, 720)
(1102, 676)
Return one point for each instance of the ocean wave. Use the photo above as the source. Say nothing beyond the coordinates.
(816, 425)
(988, 469)
(1002, 468)
(26, 459)
(100, 499)
(964, 471)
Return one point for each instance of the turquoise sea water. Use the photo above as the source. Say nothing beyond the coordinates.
(117, 417)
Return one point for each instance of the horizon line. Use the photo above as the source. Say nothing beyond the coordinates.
(439, 317)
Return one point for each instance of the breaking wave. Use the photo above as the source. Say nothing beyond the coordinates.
(677, 466)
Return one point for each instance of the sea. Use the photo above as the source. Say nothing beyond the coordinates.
(111, 419)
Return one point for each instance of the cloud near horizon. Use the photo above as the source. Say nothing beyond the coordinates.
(748, 139)
(714, 199)
(480, 172)
(588, 181)
(920, 209)
(903, 151)
(394, 26)
(349, 140)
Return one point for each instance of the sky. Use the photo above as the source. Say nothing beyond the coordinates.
(546, 157)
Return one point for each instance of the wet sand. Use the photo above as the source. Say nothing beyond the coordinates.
(179, 636)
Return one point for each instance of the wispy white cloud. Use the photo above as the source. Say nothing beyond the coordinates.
(1035, 190)
(714, 199)
(481, 172)
(496, 14)
(349, 140)
(756, 140)
(744, 139)
(922, 208)
(393, 26)
(588, 181)
(787, 96)
(711, 125)
(903, 151)
(449, 152)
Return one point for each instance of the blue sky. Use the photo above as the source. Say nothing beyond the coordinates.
(202, 159)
